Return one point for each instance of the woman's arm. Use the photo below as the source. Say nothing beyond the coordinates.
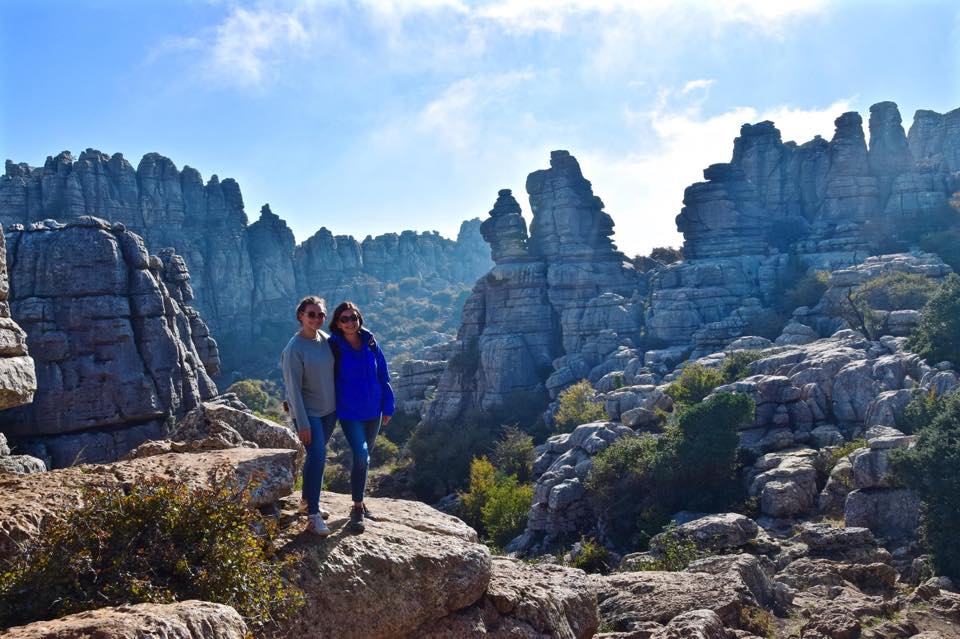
(386, 391)
(291, 365)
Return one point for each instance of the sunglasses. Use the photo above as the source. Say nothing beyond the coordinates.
(346, 319)
(315, 315)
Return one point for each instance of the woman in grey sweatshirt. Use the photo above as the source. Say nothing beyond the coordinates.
(307, 366)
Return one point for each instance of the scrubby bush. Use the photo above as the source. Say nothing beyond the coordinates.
(578, 404)
(262, 397)
(896, 291)
(806, 292)
(924, 405)
(842, 451)
(505, 513)
(937, 336)
(442, 452)
(160, 543)
(513, 454)
(637, 481)
(496, 505)
(673, 552)
(593, 557)
(932, 469)
(736, 365)
(384, 452)
(666, 254)
(694, 384)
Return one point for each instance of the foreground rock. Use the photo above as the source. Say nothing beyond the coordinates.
(418, 572)
(181, 620)
(32, 499)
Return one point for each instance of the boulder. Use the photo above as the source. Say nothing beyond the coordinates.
(713, 532)
(181, 620)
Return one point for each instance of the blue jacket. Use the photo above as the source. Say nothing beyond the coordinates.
(361, 378)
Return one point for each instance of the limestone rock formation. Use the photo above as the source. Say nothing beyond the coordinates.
(561, 292)
(830, 204)
(113, 345)
(17, 378)
(245, 277)
(181, 620)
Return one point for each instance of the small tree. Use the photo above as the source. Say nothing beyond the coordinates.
(937, 336)
(578, 405)
(505, 513)
(482, 481)
(513, 454)
(932, 468)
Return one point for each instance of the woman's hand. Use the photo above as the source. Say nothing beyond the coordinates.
(304, 434)
(385, 420)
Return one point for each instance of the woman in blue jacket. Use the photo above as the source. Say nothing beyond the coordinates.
(364, 396)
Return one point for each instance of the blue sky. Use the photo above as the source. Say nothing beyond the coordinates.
(380, 115)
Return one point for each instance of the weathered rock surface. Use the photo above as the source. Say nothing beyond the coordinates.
(182, 620)
(824, 201)
(113, 344)
(236, 267)
(561, 507)
(31, 499)
(559, 299)
(417, 572)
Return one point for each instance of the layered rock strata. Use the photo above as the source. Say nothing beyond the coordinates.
(561, 291)
(830, 204)
(17, 378)
(246, 277)
(114, 342)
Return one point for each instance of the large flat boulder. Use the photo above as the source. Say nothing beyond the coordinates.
(181, 620)
(413, 565)
(525, 600)
(29, 500)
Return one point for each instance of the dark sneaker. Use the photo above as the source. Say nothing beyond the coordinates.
(367, 514)
(356, 520)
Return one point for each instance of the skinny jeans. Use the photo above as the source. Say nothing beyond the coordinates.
(361, 435)
(321, 428)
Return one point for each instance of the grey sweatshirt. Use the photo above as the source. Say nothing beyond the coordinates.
(307, 366)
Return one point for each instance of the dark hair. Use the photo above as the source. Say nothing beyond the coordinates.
(315, 300)
(335, 322)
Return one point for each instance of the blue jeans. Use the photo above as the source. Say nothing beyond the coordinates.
(320, 430)
(361, 436)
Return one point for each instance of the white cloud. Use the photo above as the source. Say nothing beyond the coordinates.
(242, 44)
(456, 119)
(644, 191)
(557, 15)
(696, 85)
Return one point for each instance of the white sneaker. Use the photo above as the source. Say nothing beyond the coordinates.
(316, 526)
(323, 511)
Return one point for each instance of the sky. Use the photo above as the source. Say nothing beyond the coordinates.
(371, 116)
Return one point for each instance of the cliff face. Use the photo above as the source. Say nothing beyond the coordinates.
(828, 204)
(17, 379)
(246, 278)
(561, 291)
(117, 349)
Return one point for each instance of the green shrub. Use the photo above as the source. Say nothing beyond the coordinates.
(513, 454)
(932, 469)
(593, 557)
(666, 254)
(400, 428)
(896, 291)
(384, 452)
(578, 405)
(735, 365)
(842, 451)
(637, 481)
(694, 384)
(482, 481)
(922, 408)
(262, 397)
(162, 542)
(442, 452)
(756, 620)
(673, 552)
(806, 292)
(937, 336)
(505, 513)
(336, 478)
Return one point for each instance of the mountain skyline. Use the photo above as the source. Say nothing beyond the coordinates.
(357, 115)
